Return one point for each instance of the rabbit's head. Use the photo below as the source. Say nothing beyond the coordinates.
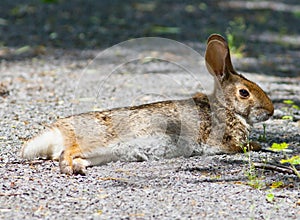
(239, 94)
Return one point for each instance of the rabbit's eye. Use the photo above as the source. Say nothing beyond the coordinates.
(244, 93)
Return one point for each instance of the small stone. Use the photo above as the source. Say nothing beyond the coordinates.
(3, 90)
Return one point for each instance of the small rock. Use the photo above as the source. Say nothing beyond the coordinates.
(3, 90)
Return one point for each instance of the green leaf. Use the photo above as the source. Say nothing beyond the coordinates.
(147, 59)
(23, 50)
(150, 6)
(276, 184)
(190, 8)
(288, 101)
(295, 160)
(296, 14)
(202, 6)
(296, 107)
(279, 147)
(287, 117)
(270, 197)
(165, 30)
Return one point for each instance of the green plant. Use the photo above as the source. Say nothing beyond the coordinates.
(165, 30)
(291, 105)
(292, 161)
(288, 101)
(270, 197)
(269, 194)
(263, 137)
(253, 179)
(256, 181)
(296, 14)
(235, 36)
(279, 147)
(295, 160)
(276, 184)
(287, 117)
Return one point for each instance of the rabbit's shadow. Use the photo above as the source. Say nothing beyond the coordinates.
(218, 173)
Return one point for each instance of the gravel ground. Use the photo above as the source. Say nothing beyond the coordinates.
(60, 82)
(39, 84)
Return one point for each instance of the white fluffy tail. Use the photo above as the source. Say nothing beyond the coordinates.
(49, 144)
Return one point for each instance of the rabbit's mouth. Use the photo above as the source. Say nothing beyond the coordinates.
(259, 115)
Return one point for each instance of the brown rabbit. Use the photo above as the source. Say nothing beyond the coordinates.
(216, 123)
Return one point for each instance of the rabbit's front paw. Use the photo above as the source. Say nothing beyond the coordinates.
(65, 168)
(253, 146)
(79, 166)
(70, 166)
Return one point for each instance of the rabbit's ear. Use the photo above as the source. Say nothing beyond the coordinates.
(217, 57)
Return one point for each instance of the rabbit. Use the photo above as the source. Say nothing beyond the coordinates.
(204, 124)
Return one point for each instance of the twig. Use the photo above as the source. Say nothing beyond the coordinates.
(10, 194)
(33, 162)
(277, 168)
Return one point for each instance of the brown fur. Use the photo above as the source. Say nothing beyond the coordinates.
(88, 136)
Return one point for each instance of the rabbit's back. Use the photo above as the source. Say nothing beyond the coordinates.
(176, 121)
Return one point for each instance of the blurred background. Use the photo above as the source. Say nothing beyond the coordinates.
(264, 34)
